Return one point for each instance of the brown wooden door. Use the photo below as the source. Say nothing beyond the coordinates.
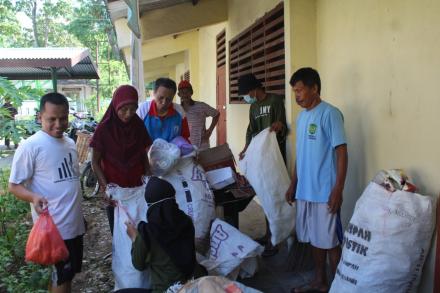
(221, 104)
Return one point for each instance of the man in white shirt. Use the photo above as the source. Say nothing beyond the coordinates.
(45, 172)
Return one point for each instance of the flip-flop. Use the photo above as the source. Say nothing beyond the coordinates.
(269, 252)
(261, 240)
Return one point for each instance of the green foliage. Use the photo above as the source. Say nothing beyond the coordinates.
(16, 95)
(15, 224)
(16, 130)
(91, 25)
(48, 22)
(12, 35)
(66, 23)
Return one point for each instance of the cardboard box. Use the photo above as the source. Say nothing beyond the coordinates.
(220, 178)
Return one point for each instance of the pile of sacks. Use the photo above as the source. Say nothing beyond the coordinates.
(222, 249)
(175, 163)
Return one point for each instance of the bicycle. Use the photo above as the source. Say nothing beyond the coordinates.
(88, 179)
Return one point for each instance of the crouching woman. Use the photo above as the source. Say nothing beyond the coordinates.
(165, 244)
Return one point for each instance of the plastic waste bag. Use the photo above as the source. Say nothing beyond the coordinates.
(386, 242)
(212, 284)
(185, 147)
(45, 245)
(163, 156)
(264, 168)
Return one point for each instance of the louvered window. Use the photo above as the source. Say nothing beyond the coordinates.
(221, 49)
(259, 49)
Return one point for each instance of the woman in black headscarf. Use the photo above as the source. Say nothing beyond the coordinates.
(166, 242)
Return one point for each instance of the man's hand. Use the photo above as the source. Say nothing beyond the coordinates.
(105, 197)
(207, 134)
(290, 194)
(241, 154)
(40, 204)
(335, 200)
(131, 230)
(277, 126)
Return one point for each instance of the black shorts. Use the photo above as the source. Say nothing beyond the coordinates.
(65, 270)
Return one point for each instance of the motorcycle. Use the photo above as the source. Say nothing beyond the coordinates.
(88, 179)
(80, 123)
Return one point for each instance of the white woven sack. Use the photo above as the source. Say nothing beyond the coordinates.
(264, 168)
(386, 242)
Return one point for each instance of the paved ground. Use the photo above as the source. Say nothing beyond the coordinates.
(274, 275)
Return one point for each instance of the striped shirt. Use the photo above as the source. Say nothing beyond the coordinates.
(196, 115)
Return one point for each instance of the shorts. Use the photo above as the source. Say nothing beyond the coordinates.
(317, 226)
(64, 271)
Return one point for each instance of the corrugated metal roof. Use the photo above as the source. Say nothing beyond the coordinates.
(35, 63)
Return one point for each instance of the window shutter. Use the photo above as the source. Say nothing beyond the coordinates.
(259, 49)
(221, 49)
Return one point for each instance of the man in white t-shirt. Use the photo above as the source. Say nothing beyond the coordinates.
(45, 172)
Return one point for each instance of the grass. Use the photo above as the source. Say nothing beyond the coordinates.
(15, 223)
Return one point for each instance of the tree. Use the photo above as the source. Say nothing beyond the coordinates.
(48, 22)
(12, 34)
(92, 26)
(59, 23)
(15, 130)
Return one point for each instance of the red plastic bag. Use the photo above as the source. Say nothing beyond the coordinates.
(45, 245)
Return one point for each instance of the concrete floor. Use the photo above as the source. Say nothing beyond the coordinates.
(273, 275)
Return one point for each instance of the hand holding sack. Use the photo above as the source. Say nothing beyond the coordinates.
(45, 245)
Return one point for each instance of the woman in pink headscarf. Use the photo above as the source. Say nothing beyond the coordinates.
(120, 143)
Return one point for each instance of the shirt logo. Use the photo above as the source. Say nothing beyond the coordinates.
(67, 170)
(312, 131)
(264, 111)
(176, 129)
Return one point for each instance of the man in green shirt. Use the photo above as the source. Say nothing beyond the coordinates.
(267, 110)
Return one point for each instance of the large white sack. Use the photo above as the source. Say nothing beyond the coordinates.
(132, 206)
(386, 242)
(193, 195)
(231, 252)
(264, 168)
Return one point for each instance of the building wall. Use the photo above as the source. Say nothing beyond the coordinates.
(187, 42)
(379, 64)
(300, 33)
(207, 68)
(241, 14)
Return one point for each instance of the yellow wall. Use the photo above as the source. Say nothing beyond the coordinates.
(300, 36)
(165, 66)
(241, 14)
(187, 42)
(379, 64)
(208, 67)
